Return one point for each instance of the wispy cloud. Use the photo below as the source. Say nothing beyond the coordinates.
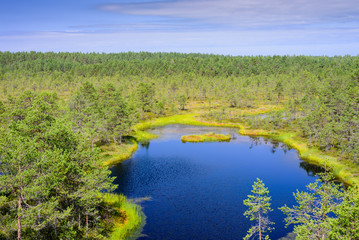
(259, 42)
(170, 26)
(236, 27)
(246, 12)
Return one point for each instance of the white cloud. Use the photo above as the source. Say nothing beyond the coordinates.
(246, 12)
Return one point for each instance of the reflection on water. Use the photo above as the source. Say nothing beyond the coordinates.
(311, 169)
(197, 189)
(255, 141)
(145, 144)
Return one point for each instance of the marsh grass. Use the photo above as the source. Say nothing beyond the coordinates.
(117, 153)
(208, 137)
(185, 119)
(128, 220)
(345, 170)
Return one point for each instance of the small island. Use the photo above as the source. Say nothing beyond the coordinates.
(208, 137)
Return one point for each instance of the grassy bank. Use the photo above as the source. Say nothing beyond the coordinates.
(208, 137)
(128, 219)
(185, 119)
(117, 153)
(345, 170)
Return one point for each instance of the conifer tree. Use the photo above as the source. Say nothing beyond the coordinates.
(84, 106)
(345, 226)
(312, 214)
(259, 206)
(48, 176)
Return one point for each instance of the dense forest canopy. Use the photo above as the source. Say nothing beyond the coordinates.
(163, 64)
(319, 94)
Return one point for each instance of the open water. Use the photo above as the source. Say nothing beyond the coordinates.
(197, 190)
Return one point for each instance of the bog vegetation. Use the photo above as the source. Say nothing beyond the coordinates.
(65, 116)
(208, 137)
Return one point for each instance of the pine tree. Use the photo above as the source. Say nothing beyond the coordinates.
(48, 175)
(25, 165)
(312, 214)
(85, 111)
(345, 226)
(259, 206)
(117, 115)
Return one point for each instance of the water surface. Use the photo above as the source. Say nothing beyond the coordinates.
(197, 189)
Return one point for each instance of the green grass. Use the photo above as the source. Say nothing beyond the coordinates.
(128, 221)
(186, 119)
(117, 153)
(345, 170)
(208, 137)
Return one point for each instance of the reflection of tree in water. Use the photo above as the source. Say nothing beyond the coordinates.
(275, 145)
(233, 134)
(285, 148)
(311, 169)
(145, 144)
(255, 141)
(120, 171)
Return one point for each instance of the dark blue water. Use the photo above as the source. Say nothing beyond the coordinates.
(197, 189)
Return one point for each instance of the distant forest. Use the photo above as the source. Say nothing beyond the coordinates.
(319, 95)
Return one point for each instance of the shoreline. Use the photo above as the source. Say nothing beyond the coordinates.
(345, 171)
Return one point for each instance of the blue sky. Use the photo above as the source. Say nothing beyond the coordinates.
(234, 27)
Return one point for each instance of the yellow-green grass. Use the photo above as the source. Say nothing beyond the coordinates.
(345, 170)
(117, 153)
(128, 220)
(208, 137)
(194, 119)
(260, 109)
(186, 119)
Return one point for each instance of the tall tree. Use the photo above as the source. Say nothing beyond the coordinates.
(24, 166)
(47, 174)
(145, 94)
(117, 114)
(312, 214)
(259, 206)
(345, 226)
(84, 106)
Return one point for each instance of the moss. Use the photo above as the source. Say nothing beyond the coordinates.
(208, 137)
(185, 119)
(117, 153)
(346, 171)
(128, 220)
